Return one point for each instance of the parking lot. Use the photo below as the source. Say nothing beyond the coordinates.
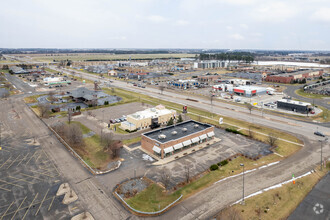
(199, 161)
(29, 180)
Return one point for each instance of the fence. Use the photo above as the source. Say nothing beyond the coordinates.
(147, 213)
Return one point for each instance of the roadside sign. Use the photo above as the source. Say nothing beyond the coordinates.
(221, 121)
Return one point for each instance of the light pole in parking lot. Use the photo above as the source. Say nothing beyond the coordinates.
(325, 140)
(242, 165)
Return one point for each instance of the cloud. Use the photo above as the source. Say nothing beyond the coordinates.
(323, 14)
(156, 18)
(274, 12)
(236, 36)
(182, 22)
(244, 26)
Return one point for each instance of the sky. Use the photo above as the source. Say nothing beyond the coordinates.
(205, 24)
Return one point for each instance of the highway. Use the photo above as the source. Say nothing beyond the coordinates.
(226, 109)
(206, 203)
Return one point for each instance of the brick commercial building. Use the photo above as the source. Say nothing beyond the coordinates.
(167, 141)
(290, 77)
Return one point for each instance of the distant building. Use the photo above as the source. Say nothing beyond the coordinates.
(112, 73)
(149, 117)
(17, 70)
(210, 64)
(247, 91)
(91, 97)
(290, 77)
(208, 78)
(167, 141)
(295, 106)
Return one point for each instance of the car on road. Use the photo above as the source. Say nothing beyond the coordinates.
(318, 133)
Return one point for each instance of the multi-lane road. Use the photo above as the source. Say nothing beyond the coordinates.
(206, 203)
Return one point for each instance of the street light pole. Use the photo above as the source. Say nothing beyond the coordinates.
(242, 165)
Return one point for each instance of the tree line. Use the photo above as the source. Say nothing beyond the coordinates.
(239, 56)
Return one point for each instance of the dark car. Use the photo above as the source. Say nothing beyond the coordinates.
(318, 133)
(112, 121)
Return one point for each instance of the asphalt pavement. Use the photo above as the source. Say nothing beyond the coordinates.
(316, 206)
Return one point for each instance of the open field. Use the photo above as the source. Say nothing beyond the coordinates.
(103, 56)
(309, 95)
(277, 203)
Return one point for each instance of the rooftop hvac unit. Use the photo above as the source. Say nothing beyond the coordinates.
(196, 126)
(162, 136)
(174, 132)
(184, 129)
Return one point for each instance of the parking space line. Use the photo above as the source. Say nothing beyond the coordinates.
(23, 159)
(6, 210)
(31, 157)
(51, 203)
(5, 162)
(23, 180)
(30, 206)
(5, 189)
(18, 208)
(41, 203)
(43, 173)
(32, 176)
(7, 183)
(13, 162)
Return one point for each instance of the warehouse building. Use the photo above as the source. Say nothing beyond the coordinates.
(152, 117)
(167, 141)
(291, 77)
(295, 106)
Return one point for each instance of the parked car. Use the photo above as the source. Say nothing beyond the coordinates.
(122, 119)
(318, 133)
(117, 120)
(112, 121)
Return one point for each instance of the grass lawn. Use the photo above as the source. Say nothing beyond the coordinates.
(308, 95)
(324, 116)
(84, 129)
(151, 199)
(277, 203)
(32, 99)
(132, 140)
(93, 153)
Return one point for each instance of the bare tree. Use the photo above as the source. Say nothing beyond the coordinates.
(251, 133)
(187, 171)
(107, 141)
(51, 97)
(249, 107)
(75, 135)
(165, 177)
(272, 139)
(43, 109)
(161, 88)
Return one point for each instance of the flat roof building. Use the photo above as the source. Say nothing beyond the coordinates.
(167, 141)
(144, 119)
(247, 91)
(295, 106)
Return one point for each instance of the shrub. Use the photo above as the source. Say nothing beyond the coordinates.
(90, 105)
(106, 103)
(222, 163)
(214, 167)
(234, 131)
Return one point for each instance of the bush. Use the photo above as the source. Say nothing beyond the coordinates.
(131, 130)
(214, 167)
(106, 103)
(223, 163)
(234, 131)
(90, 105)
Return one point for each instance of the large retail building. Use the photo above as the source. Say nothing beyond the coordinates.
(167, 141)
